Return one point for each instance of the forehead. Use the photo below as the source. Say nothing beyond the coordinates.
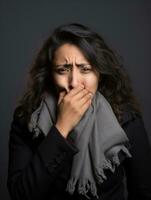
(69, 52)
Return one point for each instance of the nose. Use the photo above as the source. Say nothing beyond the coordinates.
(74, 78)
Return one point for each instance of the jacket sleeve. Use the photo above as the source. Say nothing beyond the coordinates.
(32, 174)
(138, 168)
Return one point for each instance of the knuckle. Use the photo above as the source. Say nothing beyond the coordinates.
(85, 92)
(87, 96)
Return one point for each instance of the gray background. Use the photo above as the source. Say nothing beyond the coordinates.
(125, 25)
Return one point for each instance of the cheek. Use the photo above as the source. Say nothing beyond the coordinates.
(60, 81)
(91, 83)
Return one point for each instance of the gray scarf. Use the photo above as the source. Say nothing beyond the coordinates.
(98, 136)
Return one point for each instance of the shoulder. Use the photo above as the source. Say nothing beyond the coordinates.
(19, 131)
(133, 125)
(131, 120)
(19, 127)
(130, 117)
(18, 119)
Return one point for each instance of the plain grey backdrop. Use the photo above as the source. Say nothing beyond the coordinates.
(24, 25)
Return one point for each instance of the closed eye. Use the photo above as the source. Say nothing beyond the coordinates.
(62, 70)
(86, 68)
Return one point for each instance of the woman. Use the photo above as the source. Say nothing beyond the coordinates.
(78, 132)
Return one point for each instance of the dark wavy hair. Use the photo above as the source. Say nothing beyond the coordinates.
(115, 84)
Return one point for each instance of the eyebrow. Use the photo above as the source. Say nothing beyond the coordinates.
(70, 65)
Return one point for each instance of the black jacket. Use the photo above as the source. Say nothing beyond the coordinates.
(39, 168)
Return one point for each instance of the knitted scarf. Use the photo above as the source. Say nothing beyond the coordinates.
(98, 137)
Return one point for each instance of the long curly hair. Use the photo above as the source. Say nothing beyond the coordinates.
(114, 83)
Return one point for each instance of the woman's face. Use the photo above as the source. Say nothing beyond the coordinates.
(71, 69)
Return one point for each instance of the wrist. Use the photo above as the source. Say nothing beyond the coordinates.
(62, 129)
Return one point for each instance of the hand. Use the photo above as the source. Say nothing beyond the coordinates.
(71, 108)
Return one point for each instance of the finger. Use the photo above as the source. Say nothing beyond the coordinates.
(76, 90)
(85, 99)
(61, 96)
(86, 105)
(80, 94)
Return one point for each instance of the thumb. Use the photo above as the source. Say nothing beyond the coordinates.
(61, 96)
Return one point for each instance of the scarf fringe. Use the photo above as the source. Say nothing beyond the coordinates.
(84, 186)
(99, 172)
(116, 160)
(111, 165)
